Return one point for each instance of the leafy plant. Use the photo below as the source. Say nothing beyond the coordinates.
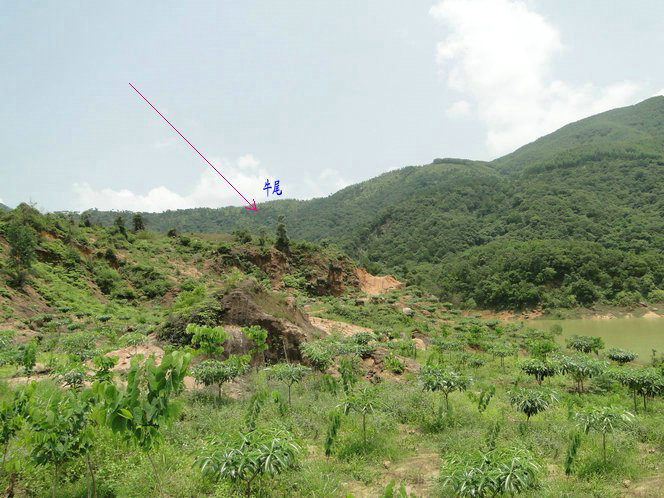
(531, 401)
(133, 340)
(208, 340)
(258, 336)
(28, 357)
(500, 471)
(317, 354)
(363, 402)
(394, 364)
(215, 372)
(249, 456)
(332, 431)
(581, 367)
(603, 419)
(572, 449)
(621, 356)
(139, 412)
(289, 374)
(61, 431)
(446, 381)
(585, 344)
(502, 351)
(540, 369)
(12, 417)
(104, 365)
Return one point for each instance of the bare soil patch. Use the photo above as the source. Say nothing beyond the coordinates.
(331, 326)
(373, 285)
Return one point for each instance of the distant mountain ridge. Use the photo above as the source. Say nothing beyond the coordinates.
(598, 180)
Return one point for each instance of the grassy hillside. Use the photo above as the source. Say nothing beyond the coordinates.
(596, 181)
(348, 395)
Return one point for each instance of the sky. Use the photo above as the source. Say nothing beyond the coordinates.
(318, 95)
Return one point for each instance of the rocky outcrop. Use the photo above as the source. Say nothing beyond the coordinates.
(247, 305)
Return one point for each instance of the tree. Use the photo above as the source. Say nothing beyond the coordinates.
(603, 419)
(572, 449)
(540, 369)
(317, 354)
(133, 339)
(22, 244)
(282, 243)
(13, 416)
(446, 381)
(120, 225)
(104, 365)
(502, 351)
(492, 473)
(581, 367)
(138, 222)
(139, 412)
(215, 372)
(61, 431)
(249, 456)
(621, 356)
(332, 431)
(531, 401)
(585, 344)
(289, 373)
(85, 220)
(28, 358)
(364, 403)
(258, 336)
(644, 382)
(208, 340)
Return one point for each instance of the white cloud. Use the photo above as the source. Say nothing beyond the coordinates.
(460, 109)
(211, 190)
(324, 183)
(499, 53)
(660, 93)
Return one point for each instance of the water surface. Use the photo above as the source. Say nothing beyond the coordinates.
(640, 335)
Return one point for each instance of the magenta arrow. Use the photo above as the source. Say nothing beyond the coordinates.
(251, 206)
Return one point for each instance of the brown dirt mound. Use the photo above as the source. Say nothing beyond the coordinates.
(331, 326)
(373, 285)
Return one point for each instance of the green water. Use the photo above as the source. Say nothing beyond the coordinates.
(640, 335)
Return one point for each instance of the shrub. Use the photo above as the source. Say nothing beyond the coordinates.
(621, 356)
(531, 401)
(249, 456)
(496, 472)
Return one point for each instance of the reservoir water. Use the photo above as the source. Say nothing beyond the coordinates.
(640, 335)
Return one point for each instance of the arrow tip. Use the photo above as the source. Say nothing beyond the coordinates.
(251, 207)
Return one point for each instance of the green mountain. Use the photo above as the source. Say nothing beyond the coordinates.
(572, 218)
(4, 208)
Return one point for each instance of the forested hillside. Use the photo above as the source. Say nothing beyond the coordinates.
(592, 193)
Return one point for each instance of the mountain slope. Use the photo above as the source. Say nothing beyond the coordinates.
(596, 181)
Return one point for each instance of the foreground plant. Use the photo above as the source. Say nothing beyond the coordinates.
(12, 417)
(61, 431)
(139, 412)
(250, 456)
(496, 472)
(603, 419)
